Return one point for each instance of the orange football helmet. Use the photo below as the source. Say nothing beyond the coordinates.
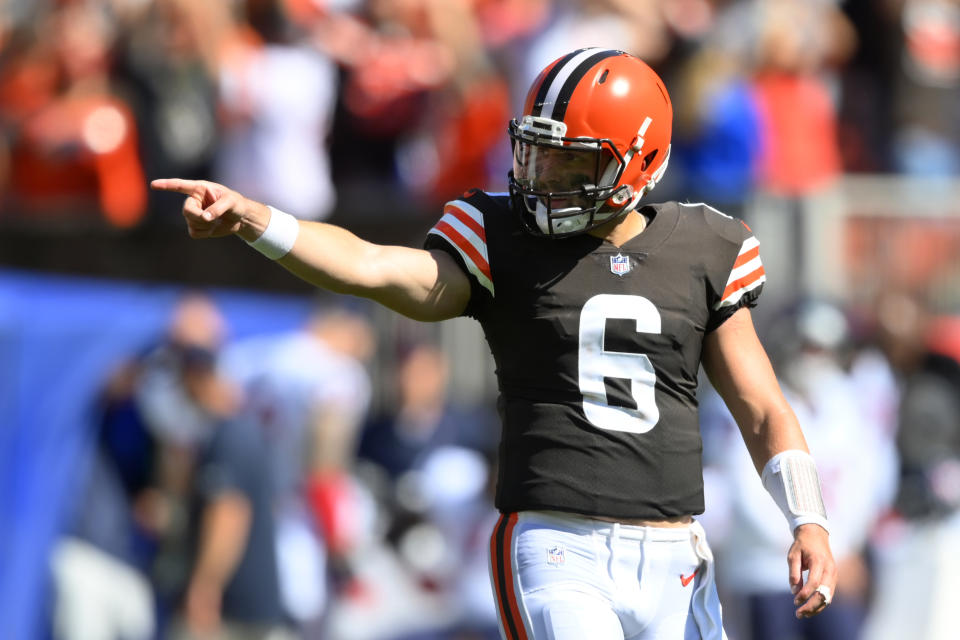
(593, 139)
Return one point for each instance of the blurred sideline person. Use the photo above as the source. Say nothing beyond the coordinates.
(232, 591)
(177, 489)
(207, 500)
(796, 47)
(179, 427)
(417, 576)
(220, 566)
(858, 494)
(277, 98)
(432, 457)
(918, 565)
(598, 312)
(133, 509)
(102, 563)
(74, 153)
(423, 419)
(309, 392)
(101, 591)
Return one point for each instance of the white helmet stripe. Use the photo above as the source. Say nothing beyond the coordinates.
(550, 101)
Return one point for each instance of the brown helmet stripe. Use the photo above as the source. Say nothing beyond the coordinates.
(563, 98)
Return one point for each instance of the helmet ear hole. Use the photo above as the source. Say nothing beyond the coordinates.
(647, 159)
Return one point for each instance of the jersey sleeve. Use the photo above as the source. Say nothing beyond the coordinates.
(461, 233)
(740, 278)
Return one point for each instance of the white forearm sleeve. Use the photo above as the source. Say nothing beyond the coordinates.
(791, 478)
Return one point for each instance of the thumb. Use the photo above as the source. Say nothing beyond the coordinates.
(221, 206)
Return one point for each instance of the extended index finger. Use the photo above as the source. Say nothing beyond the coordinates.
(186, 187)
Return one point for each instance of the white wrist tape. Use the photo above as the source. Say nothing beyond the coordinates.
(277, 239)
(791, 478)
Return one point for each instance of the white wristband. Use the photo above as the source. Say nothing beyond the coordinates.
(277, 239)
(791, 478)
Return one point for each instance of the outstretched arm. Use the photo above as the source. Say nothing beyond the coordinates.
(424, 285)
(740, 371)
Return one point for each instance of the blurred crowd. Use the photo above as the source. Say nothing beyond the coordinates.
(266, 488)
(336, 106)
(323, 483)
(251, 489)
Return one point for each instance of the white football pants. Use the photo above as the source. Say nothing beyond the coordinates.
(558, 576)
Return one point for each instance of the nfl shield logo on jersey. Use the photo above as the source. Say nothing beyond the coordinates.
(556, 555)
(619, 264)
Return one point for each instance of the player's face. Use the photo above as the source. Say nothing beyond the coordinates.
(558, 170)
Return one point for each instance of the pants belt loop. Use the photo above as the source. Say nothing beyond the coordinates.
(614, 542)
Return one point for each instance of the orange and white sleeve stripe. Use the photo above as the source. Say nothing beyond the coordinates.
(747, 274)
(462, 227)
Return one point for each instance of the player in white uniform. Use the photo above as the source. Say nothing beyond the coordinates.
(310, 400)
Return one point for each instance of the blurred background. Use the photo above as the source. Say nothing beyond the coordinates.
(193, 444)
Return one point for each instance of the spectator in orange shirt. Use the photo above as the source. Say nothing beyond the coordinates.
(74, 147)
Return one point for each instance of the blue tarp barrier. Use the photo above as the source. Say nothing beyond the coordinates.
(60, 337)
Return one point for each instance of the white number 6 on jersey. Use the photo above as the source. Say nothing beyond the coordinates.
(595, 364)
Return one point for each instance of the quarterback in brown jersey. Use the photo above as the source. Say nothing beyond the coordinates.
(599, 310)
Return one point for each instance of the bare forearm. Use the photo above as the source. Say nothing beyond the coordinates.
(223, 537)
(323, 255)
(329, 256)
(404, 279)
(769, 432)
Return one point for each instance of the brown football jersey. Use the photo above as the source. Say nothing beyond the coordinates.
(597, 350)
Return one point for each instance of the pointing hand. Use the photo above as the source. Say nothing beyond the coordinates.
(213, 211)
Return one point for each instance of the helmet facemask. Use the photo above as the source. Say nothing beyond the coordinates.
(564, 186)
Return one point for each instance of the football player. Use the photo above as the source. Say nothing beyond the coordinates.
(599, 311)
